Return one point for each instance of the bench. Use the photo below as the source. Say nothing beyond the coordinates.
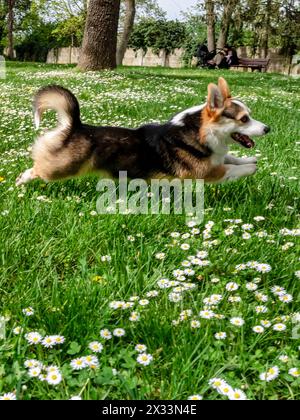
(253, 64)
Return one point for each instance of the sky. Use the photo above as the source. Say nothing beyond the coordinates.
(174, 7)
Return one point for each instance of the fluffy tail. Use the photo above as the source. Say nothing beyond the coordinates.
(60, 100)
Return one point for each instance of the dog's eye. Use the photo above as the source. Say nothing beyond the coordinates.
(245, 119)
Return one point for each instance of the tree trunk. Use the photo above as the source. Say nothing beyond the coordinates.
(100, 35)
(128, 25)
(210, 17)
(266, 31)
(225, 23)
(10, 27)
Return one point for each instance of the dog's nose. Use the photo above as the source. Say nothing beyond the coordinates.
(267, 129)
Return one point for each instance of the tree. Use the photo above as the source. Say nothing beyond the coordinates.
(130, 11)
(10, 28)
(228, 9)
(100, 35)
(210, 18)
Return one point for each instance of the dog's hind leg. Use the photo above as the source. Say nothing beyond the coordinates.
(27, 176)
(232, 160)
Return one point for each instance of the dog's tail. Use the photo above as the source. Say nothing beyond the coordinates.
(60, 100)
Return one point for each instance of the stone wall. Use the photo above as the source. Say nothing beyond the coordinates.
(278, 63)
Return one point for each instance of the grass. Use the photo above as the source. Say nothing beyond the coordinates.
(51, 249)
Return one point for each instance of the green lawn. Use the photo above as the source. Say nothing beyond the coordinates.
(52, 244)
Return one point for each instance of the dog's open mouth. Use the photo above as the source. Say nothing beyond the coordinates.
(244, 140)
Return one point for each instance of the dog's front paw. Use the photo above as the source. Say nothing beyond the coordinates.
(250, 160)
(251, 168)
(20, 180)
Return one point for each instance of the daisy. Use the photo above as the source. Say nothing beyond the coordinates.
(186, 263)
(258, 218)
(33, 337)
(141, 348)
(234, 299)
(270, 375)
(238, 322)
(175, 234)
(119, 332)
(237, 395)
(160, 256)
(225, 390)
(261, 297)
(78, 364)
(10, 396)
(96, 347)
(48, 341)
(258, 329)
(134, 316)
(265, 323)
(31, 363)
(106, 334)
(261, 309)
(152, 293)
(91, 361)
(195, 397)
(28, 311)
(246, 235)
(295, 372)
(17, 330)
(279, 327)
(144, 359)
(286, 298)
(54, 378)
(189, 272)
(177, 273)
(175, 297)
(206, 314)
(202, 254)
(195, 323)
(263, 268)
(231, 287)
(217, 383)
(283, 358)
(220, 336)
(185, 247)
(163, 283)
(278, 291)
(144, 302)
(247, 226)
(34, 372)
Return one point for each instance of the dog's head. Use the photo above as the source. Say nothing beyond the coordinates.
(227, 120)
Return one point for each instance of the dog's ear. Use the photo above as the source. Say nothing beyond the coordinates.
(215, 98)
(224, 88)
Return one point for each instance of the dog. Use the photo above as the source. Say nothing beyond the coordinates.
(193, 144)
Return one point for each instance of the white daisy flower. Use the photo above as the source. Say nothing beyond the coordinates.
(195, 323)
(258, 329)
(236, 321)
(9, 396)
(195, 397)
(231, 287)
(141, 348)
(295, 372)
(206, 314)
(119, 332)
(33, 337)
(78, 364)
(270, 375)
(28, 311)
(54, 378)
(279, 327)
(134, 316)
(144, 359)
(220, 336)
(237, 395)
(106, 334)
(96, 347)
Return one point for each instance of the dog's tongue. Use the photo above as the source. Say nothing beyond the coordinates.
(243, 140)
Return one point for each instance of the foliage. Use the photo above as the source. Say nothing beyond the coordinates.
(157, 35)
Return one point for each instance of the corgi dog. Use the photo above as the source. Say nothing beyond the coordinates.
(193, 144)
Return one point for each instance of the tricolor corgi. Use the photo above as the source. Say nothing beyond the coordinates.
(192, 144)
